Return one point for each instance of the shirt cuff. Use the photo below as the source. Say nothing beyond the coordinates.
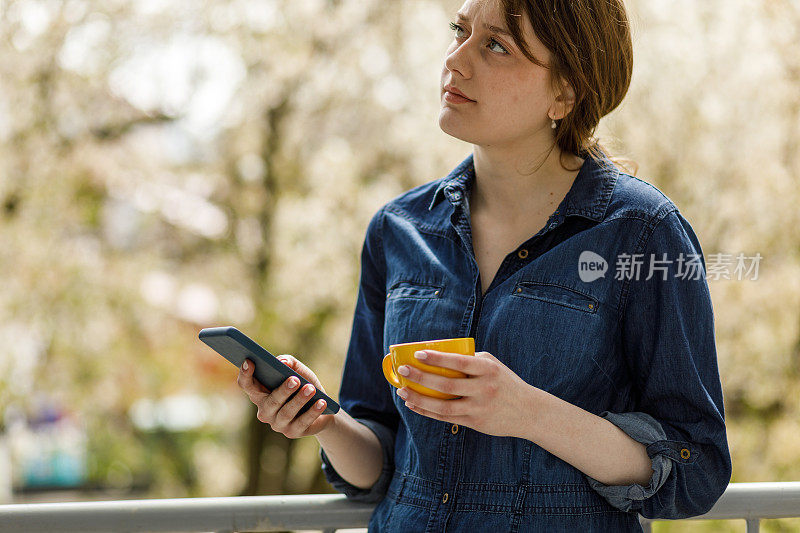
(378, 490)
(645, 429)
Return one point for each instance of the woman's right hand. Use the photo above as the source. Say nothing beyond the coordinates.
(275, 410)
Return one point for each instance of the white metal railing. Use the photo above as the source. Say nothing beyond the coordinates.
(751, 502)
(328, 512)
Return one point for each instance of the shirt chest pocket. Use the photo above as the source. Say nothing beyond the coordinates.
(554, 318)
(554, 331)
(418, 311)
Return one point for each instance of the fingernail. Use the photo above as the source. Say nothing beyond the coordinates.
(403, 394)
(244, 366)
(292, 383)
(403, 370)
(320, 404)
(421, 355)
(308, 391)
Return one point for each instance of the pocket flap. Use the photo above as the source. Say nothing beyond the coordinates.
(410, 289)
(557, 294)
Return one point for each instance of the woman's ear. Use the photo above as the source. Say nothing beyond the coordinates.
(564, 101)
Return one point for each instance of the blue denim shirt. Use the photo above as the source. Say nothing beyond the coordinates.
(635, 349)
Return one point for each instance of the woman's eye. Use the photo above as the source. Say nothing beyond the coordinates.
(504, 51)
(456, 28)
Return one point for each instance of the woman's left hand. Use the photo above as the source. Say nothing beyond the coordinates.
(493, 398)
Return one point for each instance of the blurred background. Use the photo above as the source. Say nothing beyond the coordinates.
(171, 165)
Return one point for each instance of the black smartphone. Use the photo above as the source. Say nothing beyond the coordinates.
(235, 346)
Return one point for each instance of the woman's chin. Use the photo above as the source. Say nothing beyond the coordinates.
(450, 126)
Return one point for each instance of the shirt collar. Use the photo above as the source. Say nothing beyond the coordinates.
(456, 184)
(588, 197)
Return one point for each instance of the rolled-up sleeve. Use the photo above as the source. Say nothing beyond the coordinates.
(668, 343)
(378, 490)
(364, 393)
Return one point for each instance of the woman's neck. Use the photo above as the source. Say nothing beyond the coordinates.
(510, 187)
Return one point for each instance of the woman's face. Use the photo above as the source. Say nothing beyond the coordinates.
(511, 96)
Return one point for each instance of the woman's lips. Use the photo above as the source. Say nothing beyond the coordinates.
(456, 99)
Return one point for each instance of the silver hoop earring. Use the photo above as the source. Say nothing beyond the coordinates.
(553, 125)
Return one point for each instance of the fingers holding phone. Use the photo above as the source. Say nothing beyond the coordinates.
(248, 383)
(279, 409)
(301, 369)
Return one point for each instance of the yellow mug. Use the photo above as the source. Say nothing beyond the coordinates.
(403, 354)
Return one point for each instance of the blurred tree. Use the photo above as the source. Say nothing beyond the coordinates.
(176, 167)
(166, 166)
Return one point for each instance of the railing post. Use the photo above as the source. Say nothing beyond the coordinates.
(753, 524)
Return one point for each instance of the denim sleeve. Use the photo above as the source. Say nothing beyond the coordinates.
(668, 343)
(378, 490)
(645, 429)
(364, 393)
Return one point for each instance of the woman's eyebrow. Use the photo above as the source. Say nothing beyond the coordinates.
(496, 29)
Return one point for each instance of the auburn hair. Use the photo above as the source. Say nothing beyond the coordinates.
(591, 49)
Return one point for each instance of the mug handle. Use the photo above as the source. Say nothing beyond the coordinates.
(388, 372)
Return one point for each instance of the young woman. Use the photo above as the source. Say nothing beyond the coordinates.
(595, 394)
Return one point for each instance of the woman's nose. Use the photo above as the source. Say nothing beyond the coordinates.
(457, 60)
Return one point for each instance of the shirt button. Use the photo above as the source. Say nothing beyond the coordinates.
(685, 453)
(454, 429)
(522, 254)
(444, 498)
